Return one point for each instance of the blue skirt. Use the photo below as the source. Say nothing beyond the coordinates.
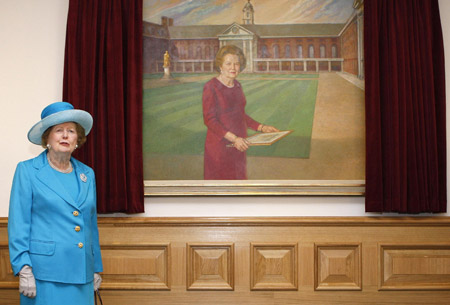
(52, 293)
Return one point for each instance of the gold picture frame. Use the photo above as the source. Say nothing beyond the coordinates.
(254, 188)
(326, 50)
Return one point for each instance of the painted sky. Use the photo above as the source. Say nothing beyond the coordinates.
(192, 12)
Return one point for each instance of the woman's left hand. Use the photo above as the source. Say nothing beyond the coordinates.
(268, 128)
(241, 144)
(97, 281)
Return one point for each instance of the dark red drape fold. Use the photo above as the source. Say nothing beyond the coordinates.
(405, 107)
(103, 75)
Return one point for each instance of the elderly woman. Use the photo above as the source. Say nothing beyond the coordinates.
(52, 225)
(224, 116)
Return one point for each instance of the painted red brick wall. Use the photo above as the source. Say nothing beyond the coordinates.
(350, 49)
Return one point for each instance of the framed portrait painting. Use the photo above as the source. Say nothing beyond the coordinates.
(300, 71)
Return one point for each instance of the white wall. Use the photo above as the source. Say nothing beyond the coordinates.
(32, 36)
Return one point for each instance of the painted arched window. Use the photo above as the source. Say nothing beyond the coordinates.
(190, 52)
(322, 51)
(287, 52)
(334, 51)
(311, 51)
(264, 51)
(276, 51)
(198, 54)
(207, 53)
(299, 51)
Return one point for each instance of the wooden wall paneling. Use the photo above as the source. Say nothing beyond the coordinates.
(142, 266)
(414, 267)
(178, 265)
(416, 246)
(210, 266)
(7, 278)
(273, 266)
(369, 265)
(242, 266)
(306, 264)
(337, 267)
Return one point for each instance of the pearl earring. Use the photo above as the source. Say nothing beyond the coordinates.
(76, 146)
(49, 146)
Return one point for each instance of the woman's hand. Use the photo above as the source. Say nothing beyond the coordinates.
(268, 128)
(97, 281)
(27, 283)
(240, 144)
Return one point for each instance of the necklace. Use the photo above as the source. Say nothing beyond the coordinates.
(64, 171)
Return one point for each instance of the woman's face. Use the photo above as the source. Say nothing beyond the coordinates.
(231, 66)
(63, 138)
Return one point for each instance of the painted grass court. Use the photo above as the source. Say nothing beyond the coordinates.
(325, 110)
(173, 119)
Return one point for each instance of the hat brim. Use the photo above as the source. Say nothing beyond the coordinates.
(74, 115)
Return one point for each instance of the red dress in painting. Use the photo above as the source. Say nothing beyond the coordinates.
(223, 111)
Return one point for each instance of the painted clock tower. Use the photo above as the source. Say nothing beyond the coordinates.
(249, 13)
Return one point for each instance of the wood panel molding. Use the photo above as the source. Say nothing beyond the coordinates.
(414, 267)
(273, 266)
(210, 266)
(143, 266)
(266, 261)
(337, 267)
(436, 221)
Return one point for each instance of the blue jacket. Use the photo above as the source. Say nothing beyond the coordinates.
(48, 230)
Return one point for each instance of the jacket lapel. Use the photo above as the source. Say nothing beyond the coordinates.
(84, 181)
(48, 177)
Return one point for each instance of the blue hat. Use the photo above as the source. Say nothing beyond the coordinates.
(58, 113)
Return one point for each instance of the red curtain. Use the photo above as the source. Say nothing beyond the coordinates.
(405, 107)
(103, 75)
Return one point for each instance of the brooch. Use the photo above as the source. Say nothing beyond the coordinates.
(83, 177)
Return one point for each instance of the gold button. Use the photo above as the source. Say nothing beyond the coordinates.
(75, 213)
(77, 228)
(80, 245)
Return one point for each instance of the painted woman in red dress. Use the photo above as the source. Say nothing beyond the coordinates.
(224, 116)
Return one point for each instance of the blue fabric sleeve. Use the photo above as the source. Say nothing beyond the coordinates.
(19, 219)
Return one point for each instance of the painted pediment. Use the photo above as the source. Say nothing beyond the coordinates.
(236, 30)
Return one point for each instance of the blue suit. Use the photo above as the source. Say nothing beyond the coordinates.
(50, 231)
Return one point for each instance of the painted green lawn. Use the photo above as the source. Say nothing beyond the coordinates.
(173, 120)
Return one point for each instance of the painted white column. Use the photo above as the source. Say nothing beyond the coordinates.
(360, 35)
(247, 54)
(251, 55)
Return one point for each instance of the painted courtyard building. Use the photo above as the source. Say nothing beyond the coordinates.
(270, 48)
